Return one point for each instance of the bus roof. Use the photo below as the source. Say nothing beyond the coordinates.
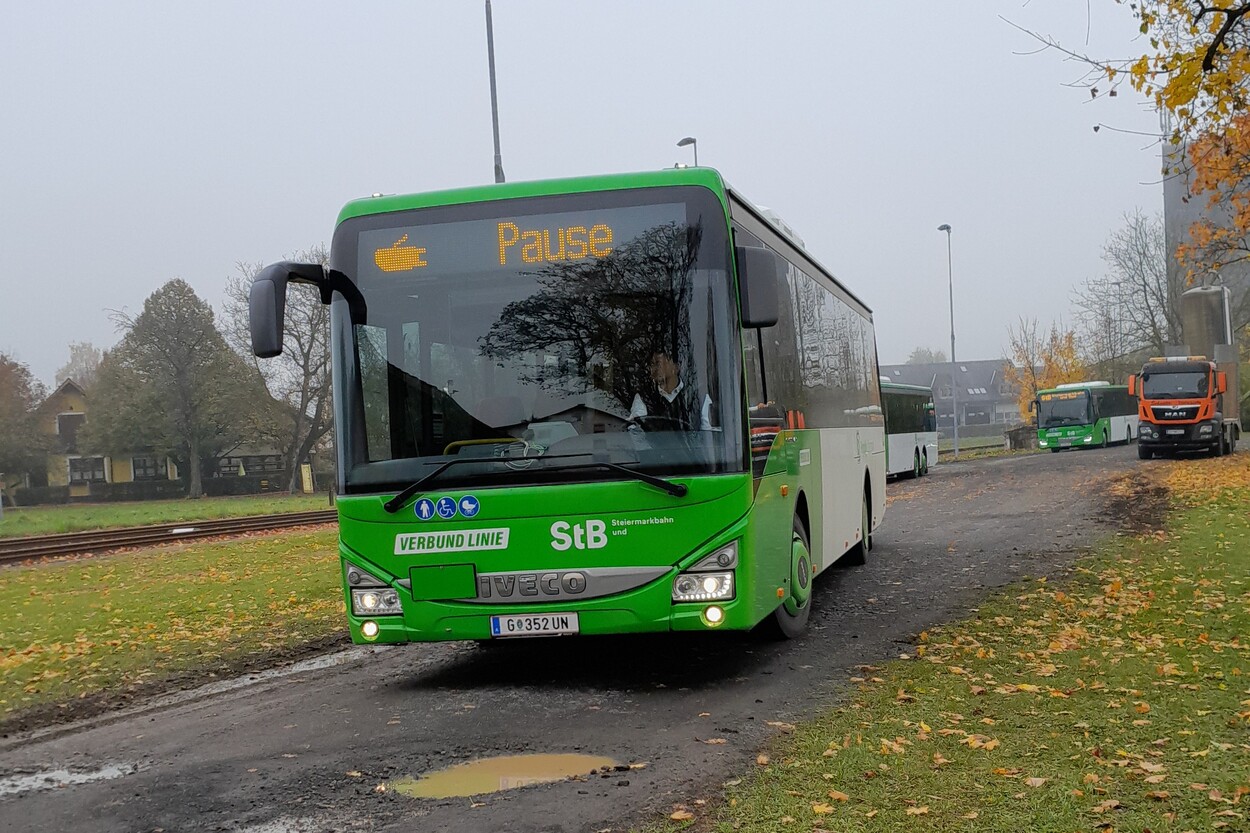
(381, 203)
(901, 388)
(1070, 386)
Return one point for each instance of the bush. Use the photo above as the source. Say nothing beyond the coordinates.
(246, 485)
(36, 495)
(138, 490)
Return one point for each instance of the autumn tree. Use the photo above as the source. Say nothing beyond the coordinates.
(299, 378)
(173, 385)
(83, 364)
(1039, 361)
(21, 442)
(923, 355)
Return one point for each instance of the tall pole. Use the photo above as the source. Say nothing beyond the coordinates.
(954, 382)
(494, 101)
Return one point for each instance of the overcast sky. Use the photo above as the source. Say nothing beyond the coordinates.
(141, 141)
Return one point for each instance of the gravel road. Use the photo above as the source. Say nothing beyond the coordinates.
(309, 748)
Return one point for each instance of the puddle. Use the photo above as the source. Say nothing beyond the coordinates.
(506, 772)
(56, 778)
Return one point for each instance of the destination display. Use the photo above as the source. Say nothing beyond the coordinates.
(1055, 397)
(508, 242)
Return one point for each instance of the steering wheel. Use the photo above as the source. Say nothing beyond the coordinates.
(661, 422)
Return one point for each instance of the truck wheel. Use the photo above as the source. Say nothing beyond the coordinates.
(789, 620)
(1144, 453)
(1217, 450)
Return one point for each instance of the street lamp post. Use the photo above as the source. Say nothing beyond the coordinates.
(494, 101)
(950, 279)
(690, 140)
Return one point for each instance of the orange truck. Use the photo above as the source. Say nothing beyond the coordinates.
(1184, 404)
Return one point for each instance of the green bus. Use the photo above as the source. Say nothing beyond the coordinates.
(911, 438)
(1085, 414)
(610, 404)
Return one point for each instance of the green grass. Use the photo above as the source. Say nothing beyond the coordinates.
(70, 629)
(45, 520)
(968, 443)
(1116, 699)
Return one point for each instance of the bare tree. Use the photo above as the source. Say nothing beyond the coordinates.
(300, 377)
(1133, 308)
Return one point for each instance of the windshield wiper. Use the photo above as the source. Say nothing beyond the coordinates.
(675, 489)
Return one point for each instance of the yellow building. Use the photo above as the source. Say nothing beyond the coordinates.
(62, 415)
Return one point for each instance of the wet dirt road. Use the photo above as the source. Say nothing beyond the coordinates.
(307, 750)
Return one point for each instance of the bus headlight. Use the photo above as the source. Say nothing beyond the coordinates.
(1041, 443)
(703, 587)
(1088, 439)
(375, 602)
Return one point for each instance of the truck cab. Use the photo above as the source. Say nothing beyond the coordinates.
(1181, 407)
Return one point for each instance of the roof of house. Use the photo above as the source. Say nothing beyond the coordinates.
(977, 380)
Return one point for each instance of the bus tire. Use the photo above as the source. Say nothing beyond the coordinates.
(924, 463)
(1105, 441)
(790, 618)
(858, 554)
(915, 465)
(1128, 436)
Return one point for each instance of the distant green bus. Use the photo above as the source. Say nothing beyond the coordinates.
(600, 405)
(911, 437)
(1085, 414)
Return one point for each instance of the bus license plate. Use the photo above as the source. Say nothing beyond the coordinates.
(534, 624)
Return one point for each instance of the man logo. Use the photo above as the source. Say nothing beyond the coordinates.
(591, 536)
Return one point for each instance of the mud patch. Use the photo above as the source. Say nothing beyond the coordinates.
(58, 778)
(53, 714)
(1138, 502)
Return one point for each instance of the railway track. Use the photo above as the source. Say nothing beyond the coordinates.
(102, 540)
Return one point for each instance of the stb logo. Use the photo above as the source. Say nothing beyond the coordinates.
(588, 536)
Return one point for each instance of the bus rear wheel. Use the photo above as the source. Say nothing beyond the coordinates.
(924, 463)
(915, 465)
(789, 620)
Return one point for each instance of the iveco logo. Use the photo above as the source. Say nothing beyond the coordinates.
(507, 585)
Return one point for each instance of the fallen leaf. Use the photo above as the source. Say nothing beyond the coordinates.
(681, 815)
(1102, 807)
(762, 760)
(822, 809)
(1159, 795)
(918, 811)
(838, 795)
(1035, 782)
(713, 741)
(354, 774)
(1155, 779)
(871, 813)
(971, 815)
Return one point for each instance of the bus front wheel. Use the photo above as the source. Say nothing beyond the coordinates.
(790, 618)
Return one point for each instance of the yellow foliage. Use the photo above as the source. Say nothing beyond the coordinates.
(1040, 363)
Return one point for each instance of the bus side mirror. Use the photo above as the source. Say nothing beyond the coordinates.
(266, 302)
(1221, 382)
(759, 279)
(1132, 385)
(1032, 406)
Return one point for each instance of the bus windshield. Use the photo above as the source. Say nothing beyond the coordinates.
(1055, 410)
(1190, 384)
(527, 339)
